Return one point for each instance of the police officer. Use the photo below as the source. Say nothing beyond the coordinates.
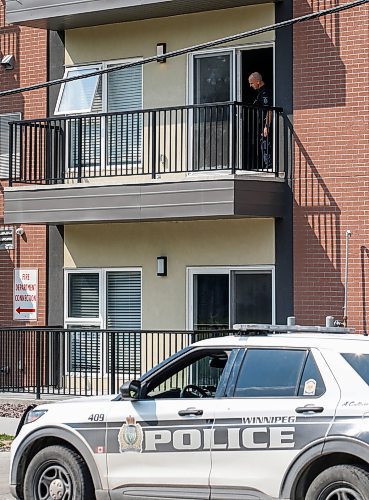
(263, 99)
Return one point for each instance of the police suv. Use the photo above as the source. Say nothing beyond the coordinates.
(274, 412)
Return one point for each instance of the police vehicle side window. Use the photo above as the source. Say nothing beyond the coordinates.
(311, 381)
(270, 373)
(195, 376)
(359, 363)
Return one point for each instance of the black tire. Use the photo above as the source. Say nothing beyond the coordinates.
(59, 471)
(348, 482)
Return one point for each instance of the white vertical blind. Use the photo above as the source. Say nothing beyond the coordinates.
(123, 302)
(124, 89)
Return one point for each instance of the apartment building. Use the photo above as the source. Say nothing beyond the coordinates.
(161, 212)
(23, 61)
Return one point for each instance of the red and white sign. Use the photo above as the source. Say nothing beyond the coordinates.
(25, 294)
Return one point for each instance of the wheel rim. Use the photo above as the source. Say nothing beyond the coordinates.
(53, 482)
(344, 493)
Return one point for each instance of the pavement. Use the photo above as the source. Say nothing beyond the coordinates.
(4, 476)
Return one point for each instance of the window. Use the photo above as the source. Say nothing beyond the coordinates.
(222, 297)
(78, 96)
(108, 140)
(103, 299)
(360, 363)
(6, 237)
(311, 383)
(197, 376)
(268, 373)
(4, 143)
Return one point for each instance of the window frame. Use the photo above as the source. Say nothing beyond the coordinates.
(192, 271)
(3, 229)
(101, 321)
(102, 65)
(96, 67)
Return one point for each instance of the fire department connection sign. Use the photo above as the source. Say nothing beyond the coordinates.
(25, 294)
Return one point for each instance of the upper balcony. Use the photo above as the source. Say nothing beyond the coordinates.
(71, 14)
(208, 160)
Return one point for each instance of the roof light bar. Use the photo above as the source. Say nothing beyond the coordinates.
(291, 327)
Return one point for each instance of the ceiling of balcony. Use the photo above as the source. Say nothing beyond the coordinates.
(69, 14)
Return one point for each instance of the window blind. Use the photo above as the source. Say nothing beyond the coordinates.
(124, 312)
(83, 293)
(124, 131)
(4, 142)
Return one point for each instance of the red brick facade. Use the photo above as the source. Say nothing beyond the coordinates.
(29, 47)
(331, 174)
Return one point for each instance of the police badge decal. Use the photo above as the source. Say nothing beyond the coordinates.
(130, 436)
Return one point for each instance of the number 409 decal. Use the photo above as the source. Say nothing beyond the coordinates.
(96, 417)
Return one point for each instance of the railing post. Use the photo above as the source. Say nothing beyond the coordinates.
(153, 143)
(38, 365)
(112, 363)
(234, 137)
(10, 154)
(277, 138)
(79, 165)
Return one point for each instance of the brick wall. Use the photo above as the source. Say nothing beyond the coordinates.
(331, 175)
(29, 47)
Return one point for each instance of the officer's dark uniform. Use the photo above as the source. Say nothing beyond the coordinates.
(264, 99)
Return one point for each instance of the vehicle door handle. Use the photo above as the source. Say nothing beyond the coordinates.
(307, 409)
(190, 411)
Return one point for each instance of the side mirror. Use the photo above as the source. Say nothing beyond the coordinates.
(131, 389)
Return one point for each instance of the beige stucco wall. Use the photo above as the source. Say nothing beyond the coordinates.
(234, 242)
(165, 84)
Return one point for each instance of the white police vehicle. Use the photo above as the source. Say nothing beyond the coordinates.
(262, 415)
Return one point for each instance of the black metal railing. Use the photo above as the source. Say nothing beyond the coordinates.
(84, 362)
(209, 137)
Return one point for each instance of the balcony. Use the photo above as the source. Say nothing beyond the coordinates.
(147, 158)
(71, 14)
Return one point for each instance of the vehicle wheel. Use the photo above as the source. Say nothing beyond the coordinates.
(57, 473)
(341, 482)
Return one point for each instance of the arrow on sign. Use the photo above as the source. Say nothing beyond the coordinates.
(19, 310)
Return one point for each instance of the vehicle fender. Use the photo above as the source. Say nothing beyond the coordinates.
(333, 444)
(41, 433)
(306, 456)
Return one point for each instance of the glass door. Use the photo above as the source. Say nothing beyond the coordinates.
(212, 84)
(220, 298)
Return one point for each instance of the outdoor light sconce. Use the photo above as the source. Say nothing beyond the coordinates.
(161, 266)
(161, 49)
(7, 62)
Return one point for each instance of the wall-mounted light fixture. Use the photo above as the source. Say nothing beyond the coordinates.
(161, 49)
(161, 266)
(7, 62)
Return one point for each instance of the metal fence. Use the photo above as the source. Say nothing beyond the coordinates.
(153, 142)
(84, 362)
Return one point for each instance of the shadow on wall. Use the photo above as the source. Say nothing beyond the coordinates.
(318, 287)
(317, 55)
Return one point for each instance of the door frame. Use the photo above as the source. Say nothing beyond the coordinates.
(191, 271)
(236, 87)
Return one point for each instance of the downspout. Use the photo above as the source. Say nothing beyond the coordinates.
(348, 236)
